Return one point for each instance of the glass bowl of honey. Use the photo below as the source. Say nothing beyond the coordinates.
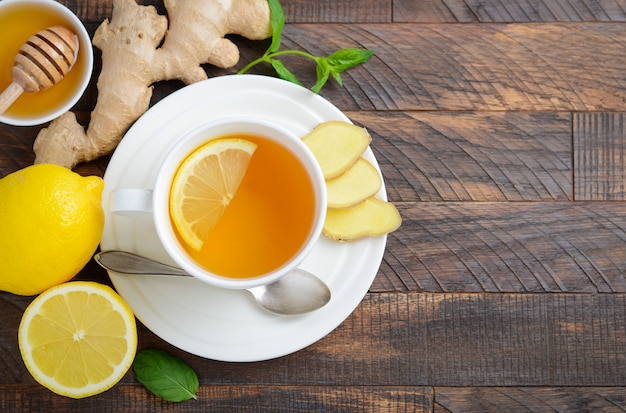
(21, 19)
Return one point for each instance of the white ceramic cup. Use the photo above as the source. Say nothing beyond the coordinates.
(85, 56)
(154, 203)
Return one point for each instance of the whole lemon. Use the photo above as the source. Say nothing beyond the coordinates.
(51, 221)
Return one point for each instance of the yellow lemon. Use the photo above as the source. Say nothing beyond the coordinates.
(50, 226)
(78, 339)
(204, 185)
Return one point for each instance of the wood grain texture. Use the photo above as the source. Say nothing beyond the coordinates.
(498, 126)
(464, 340)
(530, 399)
(487, 67)
(296, 11)
(466, 11)
(481, 340)
(95, 11)
(425, 339)
(403, 11)
(235, 398)
(472, 156)
(342, 11)
(16, 150)
(309, 399)
(504, 247)
(599, 164)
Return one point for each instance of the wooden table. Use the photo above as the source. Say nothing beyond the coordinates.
(500, 131)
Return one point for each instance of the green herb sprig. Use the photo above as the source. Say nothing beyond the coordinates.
(165, 375)
(326, 66)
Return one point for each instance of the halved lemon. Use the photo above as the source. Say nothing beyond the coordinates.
(204, 185)
(78, 339)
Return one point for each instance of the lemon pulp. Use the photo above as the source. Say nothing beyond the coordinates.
(78, 338)
(204, 185)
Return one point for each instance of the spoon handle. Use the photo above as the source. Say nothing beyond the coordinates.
(10, 95)
(127, 263)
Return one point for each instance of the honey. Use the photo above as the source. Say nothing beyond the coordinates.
(18, 22)
(269, 219)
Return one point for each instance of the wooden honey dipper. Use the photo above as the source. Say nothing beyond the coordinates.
(41, 62)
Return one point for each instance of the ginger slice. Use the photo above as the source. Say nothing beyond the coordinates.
(370, 218)
(358, 183)
(337, 146)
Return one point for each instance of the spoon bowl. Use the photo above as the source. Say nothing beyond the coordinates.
(297, 292)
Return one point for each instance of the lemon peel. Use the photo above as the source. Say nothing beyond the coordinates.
(51, 223)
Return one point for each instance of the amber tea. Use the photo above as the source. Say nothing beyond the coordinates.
(268, 220)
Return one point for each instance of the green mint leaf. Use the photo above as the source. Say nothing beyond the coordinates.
(165, 375)
(337, 77)
(323, 72)
(334, 64)
(283, 72)
(277, 20)
(344, 59)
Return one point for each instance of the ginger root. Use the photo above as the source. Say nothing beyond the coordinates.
(196, 35)
(132, 61)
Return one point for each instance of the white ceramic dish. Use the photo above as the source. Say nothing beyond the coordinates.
(207, 321)
(85, 53)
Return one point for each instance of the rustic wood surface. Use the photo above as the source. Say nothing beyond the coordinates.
(499, 127)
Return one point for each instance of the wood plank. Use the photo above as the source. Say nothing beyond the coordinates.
(296, 11)
(468, 67)
(133, 398)
(467, 11)
(333, 11)
(530, 399)
(472, 156)
(95, 11)
(463, 67)
(403, 11)
(487, 67)
(482, 339)
(505, 247)
(16, 150)
(460, 339)
(236, 398)
(599, 164)
(430, 156)
(423, 339)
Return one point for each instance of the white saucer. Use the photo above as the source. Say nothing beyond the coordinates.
(206, 321)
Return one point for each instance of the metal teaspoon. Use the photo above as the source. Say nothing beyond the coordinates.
(298, 292)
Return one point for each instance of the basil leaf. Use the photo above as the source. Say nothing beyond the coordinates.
(277, 20)
(344, 59)
(165, 375)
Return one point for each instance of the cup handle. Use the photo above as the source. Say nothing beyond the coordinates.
(131, 202)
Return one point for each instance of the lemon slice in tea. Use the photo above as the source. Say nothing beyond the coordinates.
(78, 339)
(204, 185)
